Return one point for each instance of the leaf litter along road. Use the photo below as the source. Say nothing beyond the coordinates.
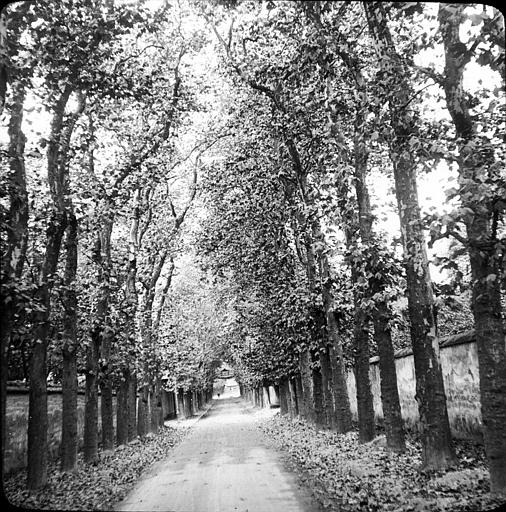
(224, 465)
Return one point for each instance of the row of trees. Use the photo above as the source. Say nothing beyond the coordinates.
(319, 101)
(92, 227)
(327, 93)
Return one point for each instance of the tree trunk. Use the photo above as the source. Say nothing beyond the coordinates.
(180, 403)
(158, 410)
(306, 383)
(437, 451)
(130, 312)
(153, 410)
(102, 259)
(361, 323)
(198, 403)
(132, 406)
(69, 443)
(122, 409)
(69, 439)
(90, 448)
(37, 416)
(187, 403)
(195, 408)
(300, 396)
(106, 396)
(341, 413)
(340, 389)
(283, 396)
(143, 412)
(394, 430)
(381, 314)
(294, 399)
(288, 397)
(324, 375)
(328, 400)
(490, 338)
(17, 238)
(319, 411)
(361, 336)
(37, 409)
(365, 406)
(477, 166)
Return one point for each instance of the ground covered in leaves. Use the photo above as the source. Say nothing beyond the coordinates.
(95, 487)
(347, 476)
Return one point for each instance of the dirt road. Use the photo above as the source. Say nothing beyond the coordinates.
(224, 465)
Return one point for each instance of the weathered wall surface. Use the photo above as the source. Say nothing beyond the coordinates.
(459, 362)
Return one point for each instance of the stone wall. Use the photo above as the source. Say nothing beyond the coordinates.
(459, 362)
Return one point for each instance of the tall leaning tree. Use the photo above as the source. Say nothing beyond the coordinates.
(15, 224)
(437, 450)
(64, 65)
(14, 75)
(482, 196)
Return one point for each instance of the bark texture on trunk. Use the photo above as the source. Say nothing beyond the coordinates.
(122, 409)
(12, 259)
(437, 451)
(365, 407)
(381, 313)
(340, 390)
(132, 406)
(477, 166)
(306, 384)
(328, 400)
(180, 403)
(283, 396)
(69, 383)
(102, 259)
(69, 439)
(143, 412)
(341, 412)
(90, 436)
(346, 53)
(157, 411)
(318, 399)
(107, 415)
(37, 419)
(394, 428)
(300, 395)
(37, 409)
(106, 396)
(294, 399)
(188, 403)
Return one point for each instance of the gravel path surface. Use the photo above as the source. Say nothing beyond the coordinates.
(224, 465)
